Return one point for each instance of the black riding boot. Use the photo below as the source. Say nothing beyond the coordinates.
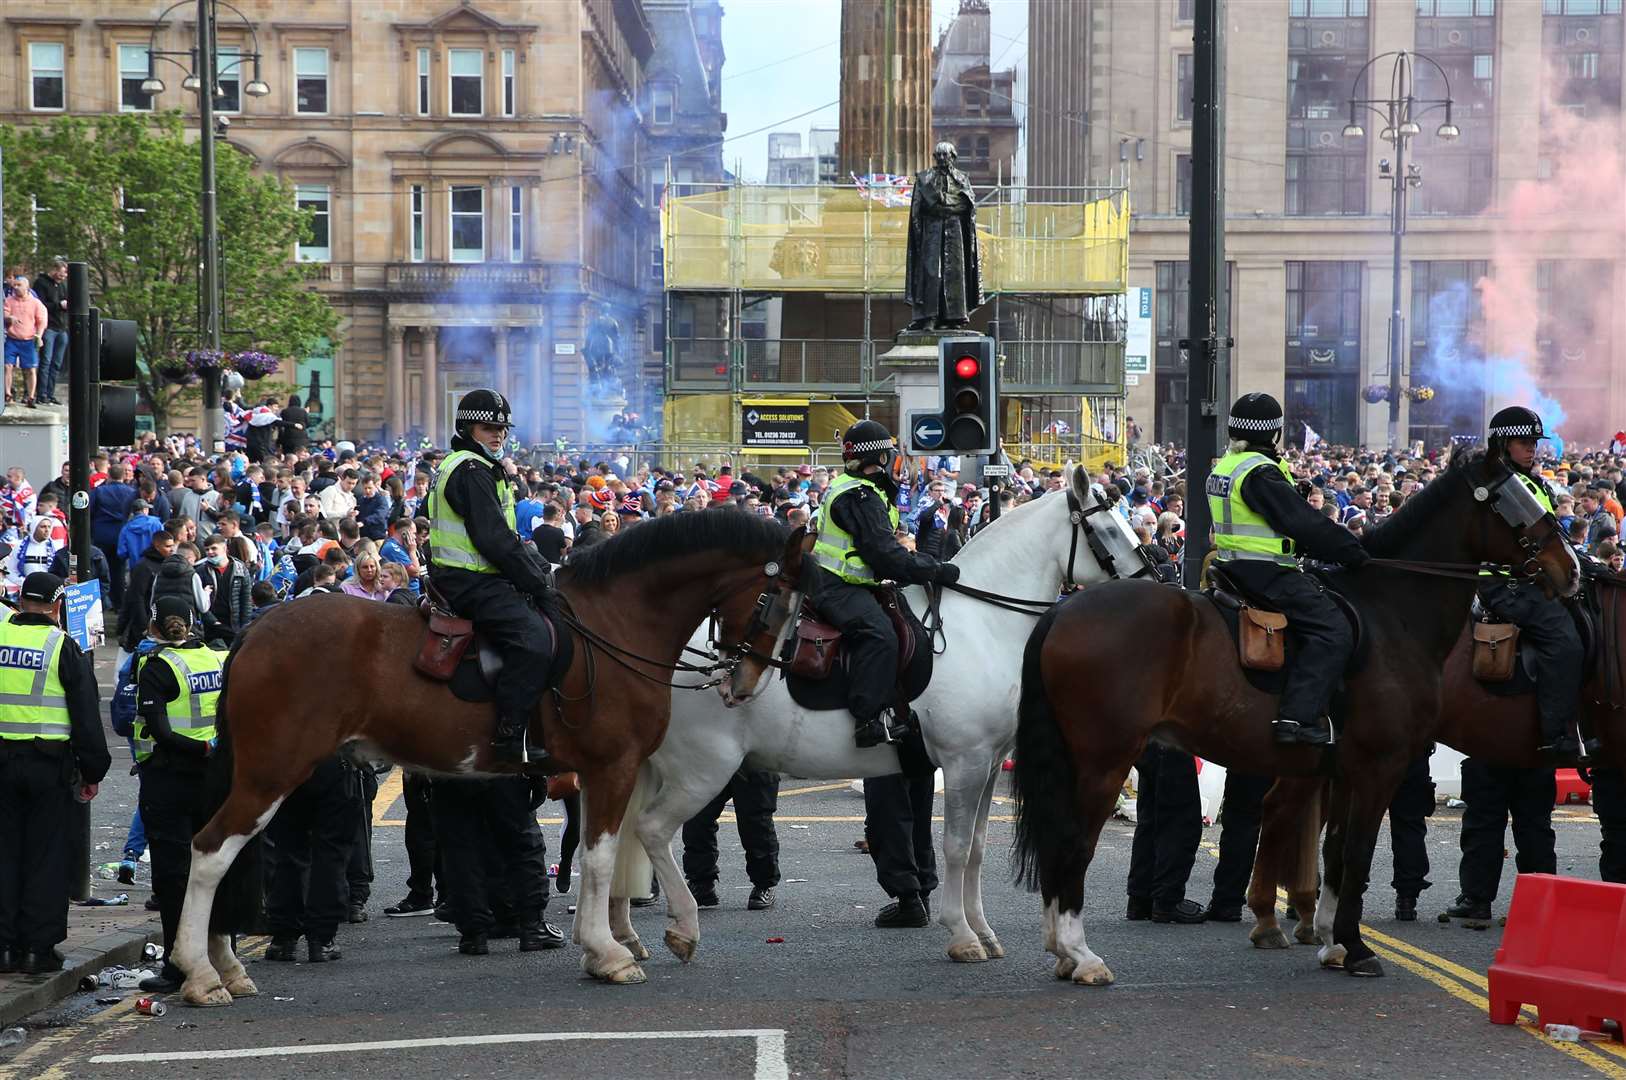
(871, 732)
(509, 742)
(1317, 732)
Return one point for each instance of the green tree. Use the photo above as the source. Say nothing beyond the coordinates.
(120, 193)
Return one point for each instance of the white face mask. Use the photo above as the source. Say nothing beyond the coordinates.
(219, 560)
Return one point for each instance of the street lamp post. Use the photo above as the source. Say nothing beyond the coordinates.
(1399, 112)
(203, 76)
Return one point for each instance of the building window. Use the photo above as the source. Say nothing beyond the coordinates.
(132, 73)
(45, 71)
(1319, 184)
(1184, 10)
(228, 77)
(1456, 9)
(423, 82)
(468, 224)
(467, 67)
(1324, 301)
(1446, 322)
(516, 225)
(310, 81)
(417, 223)
(1580, 7)
(1182, 185)
(657, 264)
(508, 82)
(660, 105)
(1328, 9)
(982, 148)
(1184, 89)
(315, 198)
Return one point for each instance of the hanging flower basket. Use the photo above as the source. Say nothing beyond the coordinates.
(253, 364)
(175, 372)
(1375, 392)
(200, 362)
(1420, 393)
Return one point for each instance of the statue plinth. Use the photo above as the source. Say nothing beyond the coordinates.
(919, 348)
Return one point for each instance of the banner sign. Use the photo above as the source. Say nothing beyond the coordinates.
(773, 423)
(82, 611)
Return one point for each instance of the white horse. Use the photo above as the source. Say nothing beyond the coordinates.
(967, 716)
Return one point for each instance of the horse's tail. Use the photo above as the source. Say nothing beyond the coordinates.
(1049, 828)
(633, 871)
(241, 893)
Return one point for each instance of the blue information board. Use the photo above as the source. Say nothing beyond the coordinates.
(82, 611)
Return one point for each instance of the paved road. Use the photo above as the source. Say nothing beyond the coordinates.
(851, 1000)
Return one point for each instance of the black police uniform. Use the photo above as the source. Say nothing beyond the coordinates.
(1240, 814)
(424, 879)
(1321, 631)
(1493, 793)
(494, 857)
(359, 871)
(871, 644)
(898, 827)
(313, 832)
(1412, 804)
(1609, 803)
(36, 816)
(497, 602)
(174, 799)
(1168, 828)
(756, 796)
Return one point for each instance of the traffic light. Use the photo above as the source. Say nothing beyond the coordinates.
(114, 357)
(969, 374)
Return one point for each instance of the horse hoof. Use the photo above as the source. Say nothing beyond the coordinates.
(1331, 956)
(1366, 967)
(629, 975)
(1304, 934)
(1268, 938)
(1097, 975)
(636, 948)
(206, 997)
(242, 986)
(1065, 967)
(683, 948)
(968, 952)
(993, 948)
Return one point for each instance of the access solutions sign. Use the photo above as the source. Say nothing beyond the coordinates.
(773, 423)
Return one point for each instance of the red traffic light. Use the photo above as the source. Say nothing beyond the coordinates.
(966, 367)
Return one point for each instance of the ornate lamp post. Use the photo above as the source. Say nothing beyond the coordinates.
(203, 72)
(1400, 112)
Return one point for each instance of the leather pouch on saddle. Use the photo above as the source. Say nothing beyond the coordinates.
(1262, 641)
(446, 638)
(818, 646)
(1496, 651)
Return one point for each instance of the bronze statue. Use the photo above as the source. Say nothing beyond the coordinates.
(943, 283)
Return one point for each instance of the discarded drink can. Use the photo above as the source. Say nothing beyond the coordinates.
(150, 1007)
(153, 951)
(89, 983)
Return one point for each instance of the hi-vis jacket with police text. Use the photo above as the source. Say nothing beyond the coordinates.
(1270, 495)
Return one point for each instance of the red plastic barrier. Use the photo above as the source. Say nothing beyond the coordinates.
(1571, 788)
(1564, 951)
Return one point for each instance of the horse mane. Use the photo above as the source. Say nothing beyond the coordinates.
(1416, 514)
(674, 537)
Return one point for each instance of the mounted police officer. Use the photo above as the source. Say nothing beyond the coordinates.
(1544, 621)
(1261, 526)
(481, 567)
(856, 550)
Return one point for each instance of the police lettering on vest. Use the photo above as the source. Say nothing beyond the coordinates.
(200, 674)
(449, 543)
(833, 546)
(1240, 532)
(33, 704)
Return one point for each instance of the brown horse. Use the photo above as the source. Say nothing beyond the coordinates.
(1494, 728)
(1126, 661)
(325, 672)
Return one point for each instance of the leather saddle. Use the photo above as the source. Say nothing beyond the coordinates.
(445, 654)
(1261, 631)
(817, 663)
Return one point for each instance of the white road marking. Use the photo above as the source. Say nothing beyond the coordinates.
(770, 1046)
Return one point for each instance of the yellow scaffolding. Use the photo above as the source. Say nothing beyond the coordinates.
(842, 239)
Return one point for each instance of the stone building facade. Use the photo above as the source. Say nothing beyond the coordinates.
(972, 103)
(1308, 210)
(479, 169)
(886, 68)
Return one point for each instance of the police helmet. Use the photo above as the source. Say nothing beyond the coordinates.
(1255, 418)
(482, 406)
(868, 443)
(1516, 422)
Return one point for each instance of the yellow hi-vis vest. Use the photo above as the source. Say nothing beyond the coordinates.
(1240, 532)
(33, 704)
(199, 673)
(833, 546)
(449, 543)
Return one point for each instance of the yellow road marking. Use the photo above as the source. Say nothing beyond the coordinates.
(815, 789)
(389, 789)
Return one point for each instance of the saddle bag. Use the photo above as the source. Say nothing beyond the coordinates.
(445, 640)
(1496, 651)
(1262, 640)
(817, 646)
